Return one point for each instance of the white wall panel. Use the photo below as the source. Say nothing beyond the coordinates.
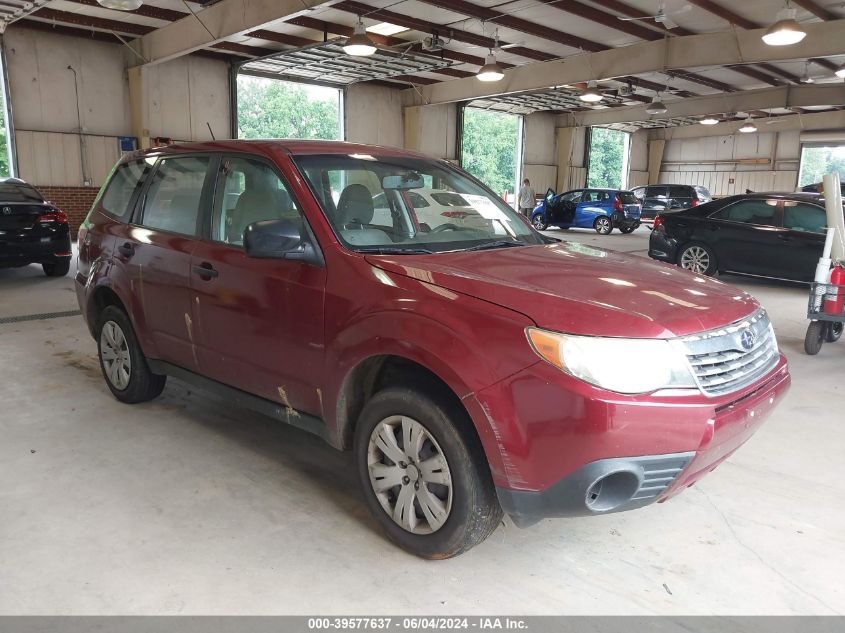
(374, 115)
(725, 183)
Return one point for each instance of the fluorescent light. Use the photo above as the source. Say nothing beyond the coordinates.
(121, 5)
(785, 30)
(840, 72)
(748, 127)
(386, 29)
(709, 120)
(360, 44)
(591, 94)
(656, 106)
(490, 71)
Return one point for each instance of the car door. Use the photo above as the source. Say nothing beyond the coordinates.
(805, 226)
(746, 237)
(590, 207)
(259, 322)
(564, 207)
(154, 253)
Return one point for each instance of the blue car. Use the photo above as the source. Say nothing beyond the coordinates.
(599, 209)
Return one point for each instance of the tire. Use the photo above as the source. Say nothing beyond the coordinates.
(465, 512)
(132, 381)
(627, 229)
(57, 268)
(603, 225)
(815, 337)
(698, 258)
(833, 332)
(539, 222)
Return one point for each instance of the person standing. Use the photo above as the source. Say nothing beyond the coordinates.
(526, 199)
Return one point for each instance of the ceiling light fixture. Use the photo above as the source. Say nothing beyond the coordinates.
(840, 72)
(785, 30)
(490, 71)
(709, 120)
(360, 44)
(121, 5)
(591, 93)
(748, 127)
(656, 106)
(806, 78)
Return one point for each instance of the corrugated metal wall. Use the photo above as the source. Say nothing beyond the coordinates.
(728, 183)
(53, 158)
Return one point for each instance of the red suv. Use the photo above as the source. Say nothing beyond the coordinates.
(472, 369)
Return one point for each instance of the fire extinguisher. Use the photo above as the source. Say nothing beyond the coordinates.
(834, 300)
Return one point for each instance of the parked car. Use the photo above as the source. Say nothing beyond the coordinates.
(470, 371)
(599, 209)
(434, 209)
(32, 231)
(818, 187)
(660, 198)
(779, 235)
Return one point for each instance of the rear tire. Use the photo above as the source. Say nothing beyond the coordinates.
(834, 332)
(122, 362)
(539, 222)
(627, 229)
(428, 436)
(603, 225)
(814, 338)
(58, 268)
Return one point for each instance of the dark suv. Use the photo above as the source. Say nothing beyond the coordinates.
(658, 198)
(473, 369)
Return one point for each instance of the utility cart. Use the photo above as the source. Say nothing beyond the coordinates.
(825, 323)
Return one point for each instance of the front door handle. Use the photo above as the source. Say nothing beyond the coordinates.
(127, 249)
(205, 270)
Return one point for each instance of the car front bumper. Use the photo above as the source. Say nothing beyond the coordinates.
(580, 450)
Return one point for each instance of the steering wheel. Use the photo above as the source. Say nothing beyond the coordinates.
(446, 227)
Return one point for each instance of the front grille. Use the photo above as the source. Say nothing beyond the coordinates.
(659, 472)
(730, 358)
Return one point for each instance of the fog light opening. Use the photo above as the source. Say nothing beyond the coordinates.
(612, 491)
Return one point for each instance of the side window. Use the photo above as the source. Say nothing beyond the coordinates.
(639, 193)
(680, 192)
(125, 182)
(417, 200)
(657, 192)
(173, 197)
(804, 217)
(575, 196)
(589, 196)
(252, 192)
(761, 212)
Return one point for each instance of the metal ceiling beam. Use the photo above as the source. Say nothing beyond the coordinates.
(633, 12)
(747, 101)
(726, 14)
(691, 51)
(146, 10)
(815, 121)
(217, 23)
(814, 8)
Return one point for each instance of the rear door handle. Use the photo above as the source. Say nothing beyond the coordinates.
(127, 249)
(205, 270)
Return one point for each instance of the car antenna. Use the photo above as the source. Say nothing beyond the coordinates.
(213, 138)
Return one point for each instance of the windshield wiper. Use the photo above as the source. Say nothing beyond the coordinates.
(390, 250)
(496, 244)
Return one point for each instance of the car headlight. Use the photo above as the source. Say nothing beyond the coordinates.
(624, 365)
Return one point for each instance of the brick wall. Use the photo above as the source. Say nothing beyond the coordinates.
(75, 201)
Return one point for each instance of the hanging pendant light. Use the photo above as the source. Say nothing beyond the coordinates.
(840, 72)
(748, 127)
(360, 44)
(656, 106)
(591, 93)
(709, 120)
(121, 5)
(490, 71)
(785, 30)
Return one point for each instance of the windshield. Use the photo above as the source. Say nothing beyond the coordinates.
(401, 204)
(19, 192)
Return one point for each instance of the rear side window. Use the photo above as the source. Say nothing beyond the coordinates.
(450, 199)
(680, 192)
(122, 187)
(657, 192)
(173, 198)
(627, 197)
(761, 212)
(417, 200)
(804, 217)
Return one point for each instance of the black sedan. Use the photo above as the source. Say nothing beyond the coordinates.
(32, 231)
(779, 235)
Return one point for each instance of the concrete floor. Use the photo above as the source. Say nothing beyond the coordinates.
(188, 506)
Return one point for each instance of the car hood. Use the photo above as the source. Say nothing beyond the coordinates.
(579, 289)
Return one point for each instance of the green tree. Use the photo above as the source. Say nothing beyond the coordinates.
(818, 161)
(489, 147)
(269, 108)
(607, 148)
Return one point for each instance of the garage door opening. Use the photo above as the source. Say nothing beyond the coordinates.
(818, 159)
(6, 145)
(608, 158)
(270, 108)
(491, 148)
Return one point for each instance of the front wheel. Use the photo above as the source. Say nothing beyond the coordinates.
(815, 337)
(424, 474)
(539, 222)
(603, 225)
(697, 258)
(834, 332)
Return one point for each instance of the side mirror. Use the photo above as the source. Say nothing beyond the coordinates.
(279, 239)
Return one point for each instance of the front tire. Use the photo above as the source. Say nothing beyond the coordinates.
(698, 258)
(814, 338)
(603, 225)
(121, 360)
(57, 268)
(539, 222)
(424, 474)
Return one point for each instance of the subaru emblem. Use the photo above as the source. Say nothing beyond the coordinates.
(747, 339)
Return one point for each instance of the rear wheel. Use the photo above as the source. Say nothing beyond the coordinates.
(814, 338)
(121, 360)
(539, 222)
(627, 229)
(834, 332)
(603, 225)
(58, 268)
(424, 476)
(697, 258)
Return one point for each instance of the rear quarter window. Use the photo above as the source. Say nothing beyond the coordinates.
(121, 189)
(628, 197)
(680, 192)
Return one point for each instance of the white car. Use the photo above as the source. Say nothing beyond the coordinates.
(434, 208)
